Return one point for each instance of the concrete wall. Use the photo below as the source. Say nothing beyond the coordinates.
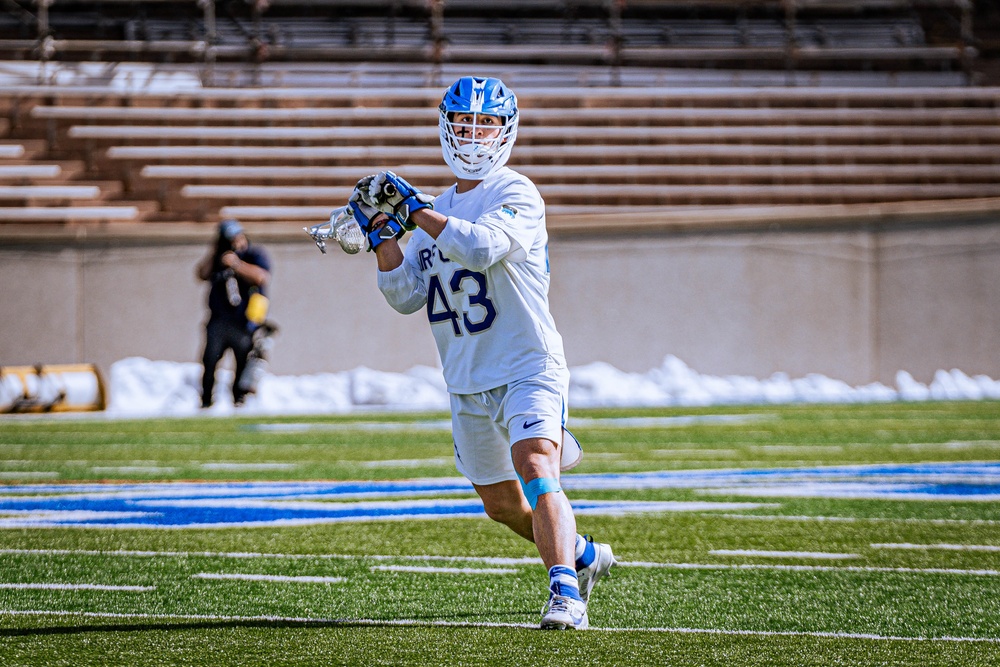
(939, 301)
(748, 304)
(855, 305)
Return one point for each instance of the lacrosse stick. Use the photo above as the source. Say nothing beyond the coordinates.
(342, 228)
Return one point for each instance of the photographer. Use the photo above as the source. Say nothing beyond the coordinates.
(238, 273)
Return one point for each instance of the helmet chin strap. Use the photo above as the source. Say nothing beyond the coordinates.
(463, 167)
(474, 172)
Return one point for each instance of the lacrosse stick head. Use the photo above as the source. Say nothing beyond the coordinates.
(342, 228)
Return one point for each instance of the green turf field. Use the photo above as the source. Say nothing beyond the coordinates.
(763, 535)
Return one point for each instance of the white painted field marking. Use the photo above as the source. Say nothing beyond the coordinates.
(406, 463)
(29, 519)
(658, 422)
(953, 445)
(849, 490)
(269, 577)
(486, 560)
(442, 570)
(437, 425)
(335, 622)
(28, 474)
(727, 453)
(128, 470)
(808, 449)
(810, 568)
(248, 466)
(946, 547)
(78, 587)
(819, 555)
(624, 507)
(855, 519)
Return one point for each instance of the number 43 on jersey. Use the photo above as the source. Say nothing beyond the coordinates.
(481, 313)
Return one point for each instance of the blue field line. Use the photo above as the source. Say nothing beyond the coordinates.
(192, 513)
(449, 485)
(938, 475)
(986, 473)
(215, 504)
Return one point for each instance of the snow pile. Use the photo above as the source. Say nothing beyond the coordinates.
(140, 387)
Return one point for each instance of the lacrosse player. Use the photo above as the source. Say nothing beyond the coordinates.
(477, 262)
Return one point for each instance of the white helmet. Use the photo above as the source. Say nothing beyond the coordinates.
(471, 158)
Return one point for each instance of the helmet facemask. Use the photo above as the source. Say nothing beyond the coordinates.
(471, 157)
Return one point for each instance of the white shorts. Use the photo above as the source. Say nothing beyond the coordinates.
(486, 425)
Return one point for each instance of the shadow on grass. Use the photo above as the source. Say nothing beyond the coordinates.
(277, 624)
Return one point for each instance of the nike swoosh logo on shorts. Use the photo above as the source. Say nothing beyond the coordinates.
(534, 423)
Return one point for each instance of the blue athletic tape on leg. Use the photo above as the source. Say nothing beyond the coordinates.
(539, 487)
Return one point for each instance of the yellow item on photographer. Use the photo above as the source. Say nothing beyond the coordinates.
(257, 308)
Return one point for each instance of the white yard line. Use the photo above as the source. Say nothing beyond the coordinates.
(30, 518)
(453, 624)
(946, 547)
(499, 561)
(820, 555)
(436, 425)
(25, 474)
(269, 577)
(125, 470)
(953, 445)
(78, 587)
(223, 465)
(808, 449)
(406, 463)
(489, 560)
(659, 422)
(727, 453)
(810, 568)
(854, 519)
(442, 570)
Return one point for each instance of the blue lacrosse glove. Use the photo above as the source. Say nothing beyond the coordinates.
(393, 196)
(364, 213)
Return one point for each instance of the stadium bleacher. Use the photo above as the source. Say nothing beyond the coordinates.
(615, 152)
(839, 33)
(161, 141)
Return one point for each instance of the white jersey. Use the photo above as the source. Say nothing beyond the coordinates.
(484, 284)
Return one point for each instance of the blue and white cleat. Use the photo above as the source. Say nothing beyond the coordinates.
(562, 612)
(590, 575)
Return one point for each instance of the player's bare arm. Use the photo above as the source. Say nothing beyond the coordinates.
(430, 221)
(251, 273)
(390, 254)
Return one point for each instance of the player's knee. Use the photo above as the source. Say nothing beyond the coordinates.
(535, 458)
(538, 487)
(508, 511)
(504, 514)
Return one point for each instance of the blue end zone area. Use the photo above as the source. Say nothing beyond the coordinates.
(244, 504)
